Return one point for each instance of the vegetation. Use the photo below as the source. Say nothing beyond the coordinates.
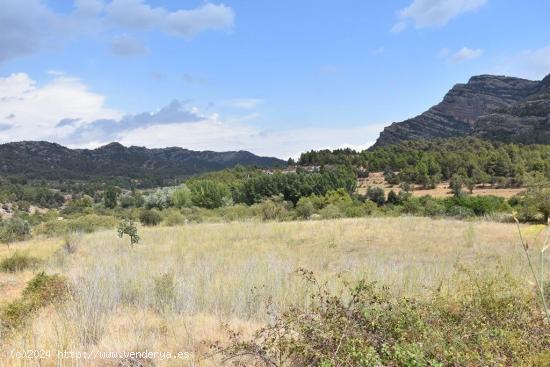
(428, 162)
(445, 292)
(127, 227)
(18, 261)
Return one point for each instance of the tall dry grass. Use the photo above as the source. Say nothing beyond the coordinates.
(179, 285)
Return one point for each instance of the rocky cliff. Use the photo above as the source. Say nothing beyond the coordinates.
(493, 107)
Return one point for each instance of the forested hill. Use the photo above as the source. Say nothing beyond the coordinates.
(50, 161)
(491, 107)
(428, 161)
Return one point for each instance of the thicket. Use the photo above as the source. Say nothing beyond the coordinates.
(428, 162)
(488, 320)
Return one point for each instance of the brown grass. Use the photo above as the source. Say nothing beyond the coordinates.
(223, 273)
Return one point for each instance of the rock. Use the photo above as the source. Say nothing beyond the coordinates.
(494, 107)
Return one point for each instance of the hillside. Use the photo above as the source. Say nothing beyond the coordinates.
(43, 160)
(492, 107)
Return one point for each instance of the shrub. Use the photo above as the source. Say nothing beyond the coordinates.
(18, 261)
(160, 198)
(304, 208)
(41, 291)
(181, 197)
(209, 194)
(272, 209)
(149, 217)
(84, 224)
(127, 227)
(174, 218)
(14, 229)
(331, 211)
(376, 194)
(487, 321)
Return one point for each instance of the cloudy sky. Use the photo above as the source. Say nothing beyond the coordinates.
(273, 77)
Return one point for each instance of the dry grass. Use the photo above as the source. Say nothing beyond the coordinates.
(441, 190)
(224, 273)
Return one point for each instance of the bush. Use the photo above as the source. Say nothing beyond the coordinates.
(272, 209)
(304, 208)
(181, 197)
(84, 224)
(487, 321)
(174, 218)
(18, 261)
(41, 291)
(331, 211)
(164, 291)
(160, 198)
(209, 194)
(376, 194)
(150, 217)
(14, 229)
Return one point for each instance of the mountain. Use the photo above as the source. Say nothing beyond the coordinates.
(44, 160)
(488, 106)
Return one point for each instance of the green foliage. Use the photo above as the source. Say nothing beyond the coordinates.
(83, 224)
(14, 229)
(537, 196)
(209, 194)
(159, 199)
(181, 197)
(456, 184)
(18, 261)
(489, 320)
(304, 208)
(376, 195)
(274, 208)
(127, 227)
(427, 162)
(41, 291)
(149, 217)
(110, 198)
(174, 218)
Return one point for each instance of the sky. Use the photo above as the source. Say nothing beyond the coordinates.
(274, 77)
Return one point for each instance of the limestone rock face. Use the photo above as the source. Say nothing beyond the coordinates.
(465, 110)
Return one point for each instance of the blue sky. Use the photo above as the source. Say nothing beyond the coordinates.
(273, 77)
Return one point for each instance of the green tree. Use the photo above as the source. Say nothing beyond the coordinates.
(209, 194)
(110, 198)
(456, 184)
(181, 197)
(376, 194)
(127, 227)
(14, 229)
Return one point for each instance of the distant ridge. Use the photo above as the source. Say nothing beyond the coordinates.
(44, 160)
(488, 106)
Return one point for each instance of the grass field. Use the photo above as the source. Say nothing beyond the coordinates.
(177, 287)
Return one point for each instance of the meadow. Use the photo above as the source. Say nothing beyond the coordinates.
(180, 288)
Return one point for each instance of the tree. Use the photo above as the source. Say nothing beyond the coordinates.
(393, 198)
(304, 208)
(14, 229)
(376, 194)
(456, 184)
(209, 194)
(181, 197)
(127, 227)
(110, 198)
(538, 195)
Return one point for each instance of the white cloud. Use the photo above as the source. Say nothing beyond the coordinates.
(27, 26)
(137, 14)
(464, 54)
(434, 13)
(37, 110)
(530, 64)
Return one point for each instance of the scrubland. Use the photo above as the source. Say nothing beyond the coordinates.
(180, 288)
